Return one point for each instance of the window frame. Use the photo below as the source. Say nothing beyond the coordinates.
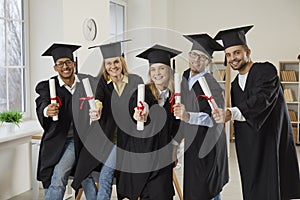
(25, 108)
(124, 4)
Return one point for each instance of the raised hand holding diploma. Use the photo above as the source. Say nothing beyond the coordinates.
(53, 95)
(219, 115)
(140, 105)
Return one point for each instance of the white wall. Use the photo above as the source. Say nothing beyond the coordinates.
(276, 31)
(150, 22)
(275, 35)
(57, 21)
(75, 12)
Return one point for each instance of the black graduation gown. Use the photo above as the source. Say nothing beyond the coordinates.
(55, 132)
(156, 184)
(264, 142)
(99, 136)
(205, 177)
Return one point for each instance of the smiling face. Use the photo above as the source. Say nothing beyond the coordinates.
(198, 60)
(160, 75)
(65, 68)
(238, 57)
(113, 66)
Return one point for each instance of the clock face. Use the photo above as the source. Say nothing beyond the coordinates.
(89, 29)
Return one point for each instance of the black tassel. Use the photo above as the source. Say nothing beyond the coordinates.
(225, 61)
(76, 65)
(174, 65)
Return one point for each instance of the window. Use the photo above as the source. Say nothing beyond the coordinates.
(117, 19)
(12, 56)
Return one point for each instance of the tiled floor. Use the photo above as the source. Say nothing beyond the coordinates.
(232, 191)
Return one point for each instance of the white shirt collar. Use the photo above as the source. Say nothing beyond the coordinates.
(163, 96)
(194, 79)
(165, 93)
(62, 83)
(70, 89)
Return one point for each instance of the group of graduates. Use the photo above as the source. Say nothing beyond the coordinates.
(103, 143)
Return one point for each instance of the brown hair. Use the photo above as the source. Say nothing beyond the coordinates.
(103, 71)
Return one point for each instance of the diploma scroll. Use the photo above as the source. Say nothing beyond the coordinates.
(89, 93)
(207, 92)
(140, 99)
(53, 95)
(177, 88)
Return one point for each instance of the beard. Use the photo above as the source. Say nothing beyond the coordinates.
(196, 68)
(241, 66)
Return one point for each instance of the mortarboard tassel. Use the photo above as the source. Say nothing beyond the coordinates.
(174, 64)
(225, 61)
(76, 66)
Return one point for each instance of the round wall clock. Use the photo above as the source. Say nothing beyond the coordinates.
(89, 29)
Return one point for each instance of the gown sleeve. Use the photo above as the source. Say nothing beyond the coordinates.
(42, 101)
(99, 93)
(262, 96)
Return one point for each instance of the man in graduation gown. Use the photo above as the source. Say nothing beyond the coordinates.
(263, 131)
(60, 143)
(205, 157)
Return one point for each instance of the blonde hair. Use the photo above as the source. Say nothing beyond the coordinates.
(103, 71)
(170, 85)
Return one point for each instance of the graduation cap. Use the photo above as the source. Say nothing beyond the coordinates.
(111, 50)
(204, 43)
(159, 54)
(61, 51)
(233, 37)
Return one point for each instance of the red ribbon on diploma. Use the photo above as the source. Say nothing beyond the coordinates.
(83, 99)
(207, 98)
(57, 99)
(141, 107)
(172, 100)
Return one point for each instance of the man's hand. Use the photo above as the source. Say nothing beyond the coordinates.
(180, 112)
(221, 115)
(53, 109)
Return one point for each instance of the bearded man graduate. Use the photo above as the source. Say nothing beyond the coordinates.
(263, 132)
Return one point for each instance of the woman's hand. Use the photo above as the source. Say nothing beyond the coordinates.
(180, 112)
(95, 114)
(141, 115)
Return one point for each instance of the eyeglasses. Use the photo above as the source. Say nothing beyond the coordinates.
(67, 63)
(195, 56)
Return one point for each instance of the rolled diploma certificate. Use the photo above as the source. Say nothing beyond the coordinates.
(53, 95)
(140, 98)
(207, 92)
(177, 88)
(89, 92)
